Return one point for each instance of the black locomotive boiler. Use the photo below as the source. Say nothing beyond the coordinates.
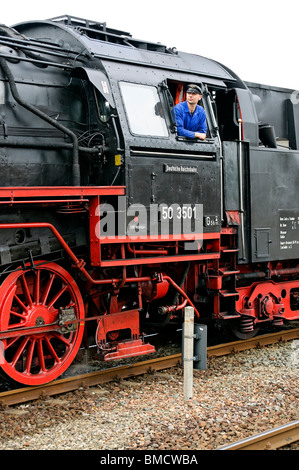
(111, 223)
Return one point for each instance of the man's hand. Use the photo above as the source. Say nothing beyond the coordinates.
(199, 135)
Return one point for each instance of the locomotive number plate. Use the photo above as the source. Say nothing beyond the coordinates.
(176, 211)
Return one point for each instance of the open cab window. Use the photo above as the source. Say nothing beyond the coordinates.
(177, 91)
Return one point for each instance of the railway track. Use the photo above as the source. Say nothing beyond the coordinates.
(69, 384)
(268, 440)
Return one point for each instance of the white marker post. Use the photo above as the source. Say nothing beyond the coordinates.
(188, 342)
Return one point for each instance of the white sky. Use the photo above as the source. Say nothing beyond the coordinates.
(257, 39)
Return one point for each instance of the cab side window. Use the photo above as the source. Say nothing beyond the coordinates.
(144, 109)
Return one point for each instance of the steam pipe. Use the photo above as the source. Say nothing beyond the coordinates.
(146, 252)
(49, 146)
(269, 274)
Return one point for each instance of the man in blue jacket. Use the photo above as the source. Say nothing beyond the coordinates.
(190, 117)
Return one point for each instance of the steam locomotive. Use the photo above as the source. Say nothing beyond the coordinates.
(111, 223)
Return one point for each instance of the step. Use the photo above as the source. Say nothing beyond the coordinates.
(130, 348)
(227, 272)
(227, 293)
(228, 316)
(229, 250)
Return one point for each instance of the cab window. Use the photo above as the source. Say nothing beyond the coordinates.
(144, 109)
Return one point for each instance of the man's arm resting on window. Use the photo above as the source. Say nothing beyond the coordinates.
(200, 135)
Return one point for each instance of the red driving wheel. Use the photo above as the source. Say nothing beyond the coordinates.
(33, 298)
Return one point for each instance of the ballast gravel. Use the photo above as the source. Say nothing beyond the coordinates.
(238, 396)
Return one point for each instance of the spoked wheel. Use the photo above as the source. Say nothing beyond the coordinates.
(38, 298)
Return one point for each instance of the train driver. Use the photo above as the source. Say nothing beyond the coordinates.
(189, 116)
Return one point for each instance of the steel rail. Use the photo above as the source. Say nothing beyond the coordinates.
(268, 440)
(256, 342)
(90, 379)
